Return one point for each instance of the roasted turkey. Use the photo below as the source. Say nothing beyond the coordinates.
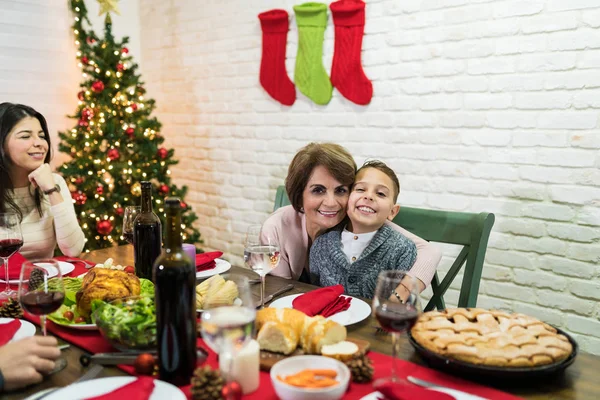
(107, 285)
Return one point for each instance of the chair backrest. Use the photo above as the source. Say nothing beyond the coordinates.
(469, 230)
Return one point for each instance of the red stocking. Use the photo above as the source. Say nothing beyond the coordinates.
(347, 74)
(273, 77)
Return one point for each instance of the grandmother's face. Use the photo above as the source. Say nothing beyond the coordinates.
(324, 199)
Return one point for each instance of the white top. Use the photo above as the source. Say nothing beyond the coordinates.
(57, 224)
(353, 244)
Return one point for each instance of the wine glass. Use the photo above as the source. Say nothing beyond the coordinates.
(128, 217)
(261, 254)
(227, 324)
(41, 292)
(11, 240)
(396, 305)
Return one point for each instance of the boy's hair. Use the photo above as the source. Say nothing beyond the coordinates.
(381, 166)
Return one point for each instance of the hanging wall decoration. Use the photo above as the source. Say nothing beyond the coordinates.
(347, 74)
(273, 76)
(310, 75)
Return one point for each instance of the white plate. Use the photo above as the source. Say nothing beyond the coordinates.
(65, 267)
(222, 266)
(27, 329)
(97, 387)
(51, 273)
(358, 310)
(457, 394)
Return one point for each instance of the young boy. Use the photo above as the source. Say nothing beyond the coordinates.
(354, 254)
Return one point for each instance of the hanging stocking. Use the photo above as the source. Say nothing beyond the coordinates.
(310, 75)
(273, 77)
(347, 74)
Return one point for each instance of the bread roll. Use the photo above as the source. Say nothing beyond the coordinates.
(277, 337)
(342, 351)
(312, 332)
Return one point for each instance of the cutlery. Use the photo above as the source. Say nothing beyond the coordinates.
(64, 346)
(90, 374)
(254, 281)
(126, 358)
(276, 293)
(458, 394)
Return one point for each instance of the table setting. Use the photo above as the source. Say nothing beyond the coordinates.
(95, 343)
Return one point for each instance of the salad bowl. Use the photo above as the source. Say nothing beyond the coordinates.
(129, 324)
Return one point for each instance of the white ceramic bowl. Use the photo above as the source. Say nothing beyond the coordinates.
(293, 365)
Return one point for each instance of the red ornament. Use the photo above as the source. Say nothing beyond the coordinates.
(162, 153)
(83, 122)
(81, 95)
(90, 40)
(87, 113)
(130, 131)
(144, 364)
(232, 391)
(164, 189)
(183, 205)
(100, 189)
(85, 60)
(120, 211)
(78, 180)
(98, 86)
(79, 197)
(120, 67)
(133, 106)
(124, 50)
(104, 227)
(113, 154)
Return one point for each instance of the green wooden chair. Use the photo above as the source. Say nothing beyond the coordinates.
(469, 230)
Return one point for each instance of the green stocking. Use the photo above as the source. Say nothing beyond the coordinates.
(310, 76)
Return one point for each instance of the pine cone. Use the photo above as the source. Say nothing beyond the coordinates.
(11, 309)
(36, 278)
(361, 368)
(207, 384)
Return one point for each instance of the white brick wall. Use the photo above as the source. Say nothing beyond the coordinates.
(478, 105)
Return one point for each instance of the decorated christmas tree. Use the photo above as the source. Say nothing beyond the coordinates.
(116, 143)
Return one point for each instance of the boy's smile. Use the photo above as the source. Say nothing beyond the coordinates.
(371, 201)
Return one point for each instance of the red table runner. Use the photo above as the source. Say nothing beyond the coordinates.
(93, 342)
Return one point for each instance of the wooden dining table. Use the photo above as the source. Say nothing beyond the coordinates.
(579, 381)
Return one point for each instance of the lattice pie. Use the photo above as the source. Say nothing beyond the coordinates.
(493, 338)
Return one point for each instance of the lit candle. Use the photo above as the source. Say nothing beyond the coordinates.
(190, 250)
(245, 367)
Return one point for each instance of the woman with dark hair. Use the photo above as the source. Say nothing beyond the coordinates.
(30, 189)
(318, 185)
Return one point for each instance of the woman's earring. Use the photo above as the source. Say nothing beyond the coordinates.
(301, 209)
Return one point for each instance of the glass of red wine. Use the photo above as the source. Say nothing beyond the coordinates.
(396, 305)
(128, 217)
(11, 241)
(41, 292)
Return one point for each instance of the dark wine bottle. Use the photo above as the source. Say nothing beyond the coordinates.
(147, 235)
(175, 296)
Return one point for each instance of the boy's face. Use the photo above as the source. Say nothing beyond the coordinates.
(371, 201)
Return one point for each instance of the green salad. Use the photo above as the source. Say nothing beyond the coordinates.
(130, 323)
(67, 314)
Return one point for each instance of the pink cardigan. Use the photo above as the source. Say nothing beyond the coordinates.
(288, 227)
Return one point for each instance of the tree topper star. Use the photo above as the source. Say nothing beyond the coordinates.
(107, 6)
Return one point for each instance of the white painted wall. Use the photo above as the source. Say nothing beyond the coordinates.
(37, 55)
(479, 105)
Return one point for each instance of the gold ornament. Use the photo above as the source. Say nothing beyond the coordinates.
(107, 6)
(136, 189)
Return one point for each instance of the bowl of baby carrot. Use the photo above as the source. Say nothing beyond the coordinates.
(310, 378)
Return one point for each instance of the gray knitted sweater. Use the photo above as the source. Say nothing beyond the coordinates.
(388, 250)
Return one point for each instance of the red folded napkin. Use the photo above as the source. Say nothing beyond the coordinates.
(139, 389)
(7, 331)
(408, 391)
(14, 266)
(205, 261)
(325, 301)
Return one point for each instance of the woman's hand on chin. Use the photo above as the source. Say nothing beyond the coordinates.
(42, 177)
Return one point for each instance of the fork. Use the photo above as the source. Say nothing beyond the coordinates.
(87, 265)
